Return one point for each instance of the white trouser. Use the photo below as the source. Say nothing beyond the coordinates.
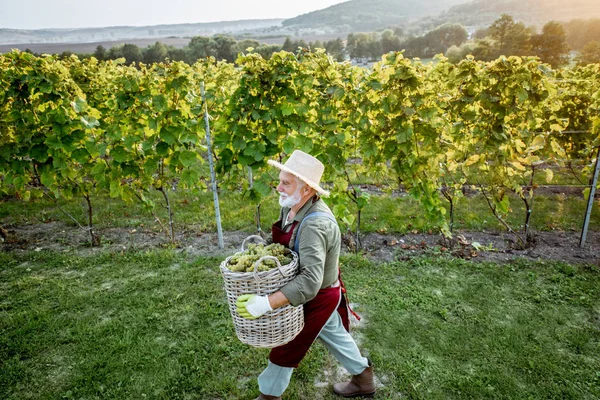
(275, 379)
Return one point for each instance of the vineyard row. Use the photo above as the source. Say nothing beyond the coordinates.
(74, 127)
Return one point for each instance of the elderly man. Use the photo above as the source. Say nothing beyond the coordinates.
(307, 225)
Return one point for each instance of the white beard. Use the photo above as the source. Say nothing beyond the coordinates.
(289, 201)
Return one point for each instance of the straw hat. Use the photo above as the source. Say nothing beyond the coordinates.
(304, 166)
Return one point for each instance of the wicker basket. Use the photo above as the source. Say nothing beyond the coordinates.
(276, 327)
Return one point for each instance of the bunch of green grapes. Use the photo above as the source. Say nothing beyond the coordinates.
(244, 262)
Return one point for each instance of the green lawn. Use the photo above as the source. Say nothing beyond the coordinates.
(156, 325)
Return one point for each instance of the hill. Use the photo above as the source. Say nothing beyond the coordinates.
(531, 12)
(88, 35)
(367, 15)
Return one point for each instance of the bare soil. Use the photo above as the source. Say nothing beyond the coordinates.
(477, 246)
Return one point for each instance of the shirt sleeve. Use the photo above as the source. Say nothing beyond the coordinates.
(312, 252)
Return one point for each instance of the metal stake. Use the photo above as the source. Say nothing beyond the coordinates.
(588, 211)
(213, 178)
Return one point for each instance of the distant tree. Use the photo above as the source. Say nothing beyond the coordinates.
(288, 45)
(132, 53)
(100, 52)
(267, 50)
(390, 41)
(65, 54)
(512, 38)
(175, 54)
(242, 45)
(225, 48)
(301, 43)
(335, 48)
(580, 32)
(435, 41)
(481, 33)
(551, 45)
(454, 54)
(415, 46)
(398, 31)
(484, 50)
(445, 36)
(199, 47)
(590, 54)
(358, 45)
(500, 29)
(317, 44)
(156, 53)
(457, 53)
(374, 49)
(114, 53)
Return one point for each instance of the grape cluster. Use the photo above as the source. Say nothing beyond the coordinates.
(244, 262)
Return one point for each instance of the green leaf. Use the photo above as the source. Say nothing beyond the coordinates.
(238, 143)
(522, 95)
(162, 149)
(89, 122)
(59, 161)
(189, 177)
(262, 187)
(472, 160)
(48, 178)
(80, 155)
(404, 134)
(538, 143)
(586, 193)
(115, 189)
(160, 103)
(167, 135)
(98, 168)
(504, 204)
(119, 154)
(287, 109)
(39, 153)
(188, 158)
(549, 175)
(79, 105)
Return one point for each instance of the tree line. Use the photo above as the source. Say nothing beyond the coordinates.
(505, 36)
(508, 37)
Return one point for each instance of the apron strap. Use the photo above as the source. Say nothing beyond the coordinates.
(309, 216)
(297, 244)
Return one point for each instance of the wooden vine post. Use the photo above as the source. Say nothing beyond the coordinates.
(213, 178)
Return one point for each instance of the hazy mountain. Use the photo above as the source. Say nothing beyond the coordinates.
(367, 15)
(86, 35)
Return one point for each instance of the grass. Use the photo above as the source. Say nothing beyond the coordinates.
(156, 325)
(383, 213)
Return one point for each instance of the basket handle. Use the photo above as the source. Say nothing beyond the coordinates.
(251, 237)
(260, 260)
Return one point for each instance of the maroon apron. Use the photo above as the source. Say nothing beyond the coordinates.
(316, 313)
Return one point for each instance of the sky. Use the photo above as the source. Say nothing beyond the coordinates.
(39, 14)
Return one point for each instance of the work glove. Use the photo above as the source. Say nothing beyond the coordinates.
(251, 306)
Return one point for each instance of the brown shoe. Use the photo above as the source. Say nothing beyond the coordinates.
(359, 385)
(267, 397)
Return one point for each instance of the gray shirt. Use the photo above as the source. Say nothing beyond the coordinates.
(319, 251)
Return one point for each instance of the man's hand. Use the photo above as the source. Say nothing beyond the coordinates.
(251, 306)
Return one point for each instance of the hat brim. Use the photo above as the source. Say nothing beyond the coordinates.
(310, 183)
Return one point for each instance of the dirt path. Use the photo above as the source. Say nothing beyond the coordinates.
(493, 246)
